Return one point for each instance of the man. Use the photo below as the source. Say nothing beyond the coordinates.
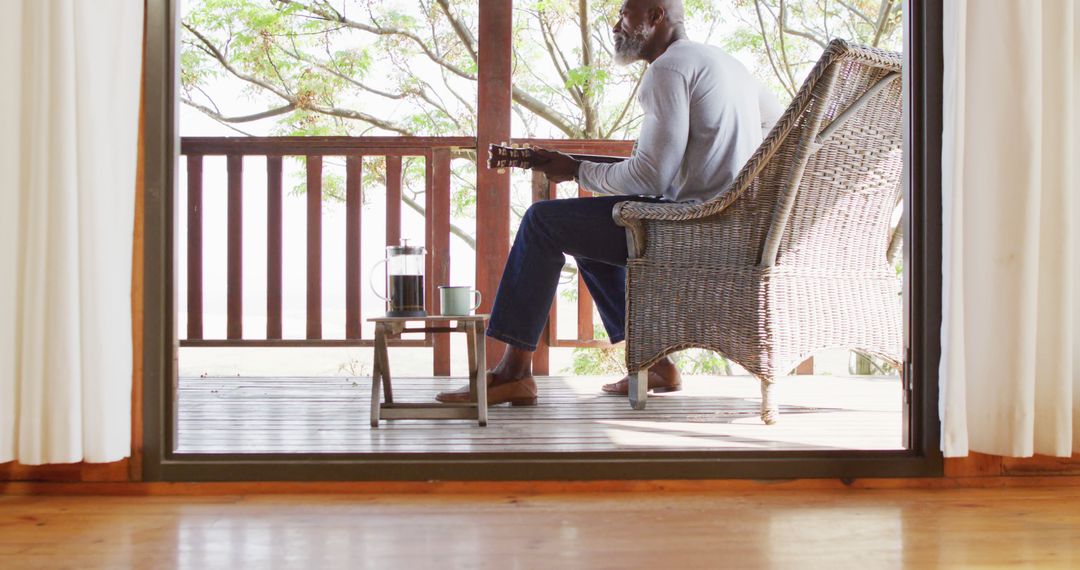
(704, 115)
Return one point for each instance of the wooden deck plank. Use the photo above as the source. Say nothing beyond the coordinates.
(330, 415)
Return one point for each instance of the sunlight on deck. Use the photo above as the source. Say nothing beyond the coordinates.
(330, 415)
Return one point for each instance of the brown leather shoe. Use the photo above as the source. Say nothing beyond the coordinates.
(518, 393)
(657, 384)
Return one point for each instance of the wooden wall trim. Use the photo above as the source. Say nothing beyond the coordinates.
(959, 472)
(982, 465)
(116, 472)
(137, 287)
(525, 487)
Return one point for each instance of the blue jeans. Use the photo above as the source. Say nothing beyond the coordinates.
(581, 227)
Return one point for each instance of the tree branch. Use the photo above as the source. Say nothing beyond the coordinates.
(780, 20)
(458, 96)
(217, 116)
(855, 10)
(562, 66)
(295, 54)
(883, 18)
(588, 93)
(805, 35)
(540, 109)
(214, 52)
(460, 29)
(768, 49)
(295, 101)
(383, 31)
(626, 107)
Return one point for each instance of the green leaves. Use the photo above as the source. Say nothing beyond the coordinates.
(590, 79)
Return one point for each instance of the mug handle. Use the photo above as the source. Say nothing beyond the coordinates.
(478, 299)
(372, 284)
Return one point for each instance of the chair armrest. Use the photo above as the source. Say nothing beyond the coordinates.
(631, 214)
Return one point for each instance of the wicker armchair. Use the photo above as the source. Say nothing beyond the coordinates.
(795, 256)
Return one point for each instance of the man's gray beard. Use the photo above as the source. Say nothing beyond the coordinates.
(632, 47)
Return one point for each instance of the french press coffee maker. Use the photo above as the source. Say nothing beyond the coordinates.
(404, 280)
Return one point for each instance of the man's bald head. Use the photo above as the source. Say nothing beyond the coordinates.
(645, 29)
(673, 10)
(670, 10)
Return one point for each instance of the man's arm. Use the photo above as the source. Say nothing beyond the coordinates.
(562, 167)
(665, 100)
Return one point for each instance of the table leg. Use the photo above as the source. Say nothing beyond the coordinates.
(376, 379)
(481, 373)
(470, 340)
(384, 362)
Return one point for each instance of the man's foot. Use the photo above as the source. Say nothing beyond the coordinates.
(518, 392)
(662, 378)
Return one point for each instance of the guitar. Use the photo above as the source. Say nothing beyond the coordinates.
(502, 156)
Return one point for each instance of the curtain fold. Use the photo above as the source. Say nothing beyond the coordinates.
(1010, 369)
(69, 151)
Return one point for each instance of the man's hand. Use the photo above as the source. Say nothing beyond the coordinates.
(559, 167)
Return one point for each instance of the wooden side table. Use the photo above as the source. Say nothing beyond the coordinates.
(392, 327)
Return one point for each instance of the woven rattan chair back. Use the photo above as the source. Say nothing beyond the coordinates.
(794, 256)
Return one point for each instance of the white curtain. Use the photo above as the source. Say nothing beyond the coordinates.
(69, 99)
(1010, 370)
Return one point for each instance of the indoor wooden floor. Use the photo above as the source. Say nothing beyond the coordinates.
(958, 528)
(268, 415)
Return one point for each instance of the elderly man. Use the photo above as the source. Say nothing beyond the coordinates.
(704, 115)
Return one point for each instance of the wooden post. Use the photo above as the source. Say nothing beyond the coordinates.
(492, 126)
(439, 223)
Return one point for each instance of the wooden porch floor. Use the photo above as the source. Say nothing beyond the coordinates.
(331, 415)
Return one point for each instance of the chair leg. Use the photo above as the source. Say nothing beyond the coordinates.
(770, 409)
(639, 389)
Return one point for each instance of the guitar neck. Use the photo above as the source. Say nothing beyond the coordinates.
(598, 158)
(501, 156)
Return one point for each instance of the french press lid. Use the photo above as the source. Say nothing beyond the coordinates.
(404, 249)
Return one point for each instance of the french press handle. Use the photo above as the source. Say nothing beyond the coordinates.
(372, 284)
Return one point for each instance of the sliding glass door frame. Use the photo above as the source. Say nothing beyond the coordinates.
(922, 255)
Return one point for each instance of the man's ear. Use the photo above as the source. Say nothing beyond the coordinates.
(657, 14)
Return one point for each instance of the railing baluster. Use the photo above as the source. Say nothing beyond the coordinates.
(194, 247)
(584, 298)
(393, 200)
(314, 246)
(440, 248)
(541, 357)
(429, 209)
(274, 237)
(235, 303)
(353, 204)
(553, 317)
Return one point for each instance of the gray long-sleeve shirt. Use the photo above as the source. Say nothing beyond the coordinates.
(704, 115)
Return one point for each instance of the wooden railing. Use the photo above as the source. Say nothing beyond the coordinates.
(437, 153)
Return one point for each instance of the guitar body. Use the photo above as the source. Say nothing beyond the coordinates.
(500, 156)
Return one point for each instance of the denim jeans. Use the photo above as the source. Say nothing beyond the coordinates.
(582, 228)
